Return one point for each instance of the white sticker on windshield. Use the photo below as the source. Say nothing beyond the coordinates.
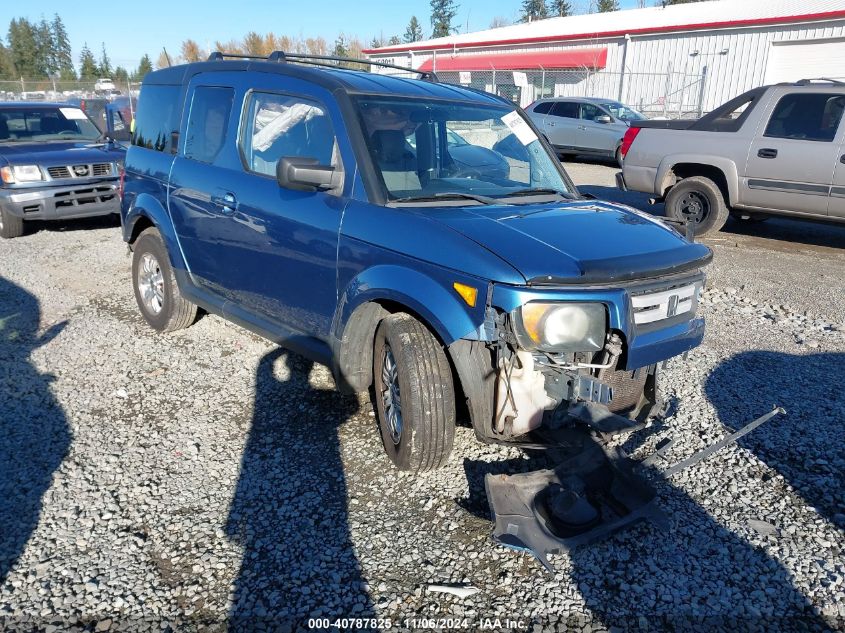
(519, 127)
(73, 114)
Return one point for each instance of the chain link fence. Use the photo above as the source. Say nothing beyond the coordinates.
(668, 94)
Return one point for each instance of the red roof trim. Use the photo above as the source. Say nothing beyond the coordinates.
(594, 58)
(827, 15)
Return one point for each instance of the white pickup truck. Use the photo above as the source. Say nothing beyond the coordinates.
(774, 150)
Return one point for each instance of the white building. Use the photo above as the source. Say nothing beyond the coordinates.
(676, 60)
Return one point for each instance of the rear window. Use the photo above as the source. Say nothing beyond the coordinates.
(157, 118)
(208, 121)
(565, 109)
(730, 116)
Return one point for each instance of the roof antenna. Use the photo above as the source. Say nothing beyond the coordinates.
(167, 57)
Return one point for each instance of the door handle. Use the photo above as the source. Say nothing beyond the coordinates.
(227, 203)
(582, 127)
(551, 123)
(767, 152)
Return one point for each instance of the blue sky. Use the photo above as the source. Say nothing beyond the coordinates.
(130, 29)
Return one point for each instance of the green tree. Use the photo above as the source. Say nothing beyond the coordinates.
(121, 76)
(605, 6)
(145, 66)
(533, 10)
(105, 67)
(442, 14)
(7, 68)
(62, 52)
(88, 69)
(559, 8)
(394, 40)
(377, 41)
(341, 46)
(24, 48)
(45, 55)
(414, 31)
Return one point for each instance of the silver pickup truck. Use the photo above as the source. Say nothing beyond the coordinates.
(774, 150)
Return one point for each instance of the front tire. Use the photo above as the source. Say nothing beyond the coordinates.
(414, 395)
(10, 225)
(700, 200)
(156, 291)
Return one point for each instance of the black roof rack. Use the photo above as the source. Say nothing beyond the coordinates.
(326, 61)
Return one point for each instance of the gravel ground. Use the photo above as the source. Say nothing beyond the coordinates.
(206, 478)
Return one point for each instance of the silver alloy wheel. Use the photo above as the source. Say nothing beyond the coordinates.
(151, 283)
(390, 395)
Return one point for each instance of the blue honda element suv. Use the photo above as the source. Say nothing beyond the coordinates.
(419, 238)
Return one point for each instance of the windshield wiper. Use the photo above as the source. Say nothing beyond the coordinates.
(449, 195)
(535, 191)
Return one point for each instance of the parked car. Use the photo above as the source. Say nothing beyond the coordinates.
(54, 165)
(584, 125)
(283, 197)
(775, 150)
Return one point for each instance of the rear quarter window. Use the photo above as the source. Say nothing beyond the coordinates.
(157, 118)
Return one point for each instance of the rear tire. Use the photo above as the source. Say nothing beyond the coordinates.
(618, 156)
(10, 225)
(414, 395)
(156, 291)
(698, 198)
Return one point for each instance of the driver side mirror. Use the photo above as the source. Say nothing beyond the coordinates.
(304, 174)
(603, 119)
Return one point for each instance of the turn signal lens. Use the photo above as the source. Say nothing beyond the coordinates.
(6, 175)
(468, 293)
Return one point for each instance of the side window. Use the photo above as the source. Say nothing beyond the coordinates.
(157, 117)
(209, 119)
(544, 107)
(590, 112)
(565, 109)
(277, 126)
(807, 116)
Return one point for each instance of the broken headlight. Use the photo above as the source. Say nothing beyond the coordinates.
(561, 327)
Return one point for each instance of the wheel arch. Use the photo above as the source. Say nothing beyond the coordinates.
(146, 212)
(720, 170)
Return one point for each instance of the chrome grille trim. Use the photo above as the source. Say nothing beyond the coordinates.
(652, 307)
(81, 170)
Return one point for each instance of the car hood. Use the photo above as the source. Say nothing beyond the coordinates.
(59, 153)
(582, 241)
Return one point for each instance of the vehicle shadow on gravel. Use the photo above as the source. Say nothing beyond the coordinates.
(289, 510)
(697, 575)
(34, 433)
(805, 445)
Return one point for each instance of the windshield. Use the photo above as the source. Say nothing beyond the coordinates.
(45, 124)
(623, 112)
(428, 148)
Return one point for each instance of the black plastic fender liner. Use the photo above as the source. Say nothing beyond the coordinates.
(525, 520)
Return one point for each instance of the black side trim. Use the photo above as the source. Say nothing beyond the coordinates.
(780, 185)
(837, 192)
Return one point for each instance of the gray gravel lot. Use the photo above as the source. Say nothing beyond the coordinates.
(206, 477)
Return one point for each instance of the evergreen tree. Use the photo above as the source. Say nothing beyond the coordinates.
(442, 14)
(377, 42)
(45, 57)
(414, 31)
(393, 41)
(63, 54)
(105, 68)
(121, 76)
(7, 68)
(604, 6)
(559, 8)
(87, 64)
(341, 46)
(24, 49)
(533, 10)
(145, 66)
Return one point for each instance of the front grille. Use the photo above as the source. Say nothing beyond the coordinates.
(58, 172)
(654, 306)
(80, 171)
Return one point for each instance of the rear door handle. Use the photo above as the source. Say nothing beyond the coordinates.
(551, 123)
(582, 127)
(227, 203)
(767, 152)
